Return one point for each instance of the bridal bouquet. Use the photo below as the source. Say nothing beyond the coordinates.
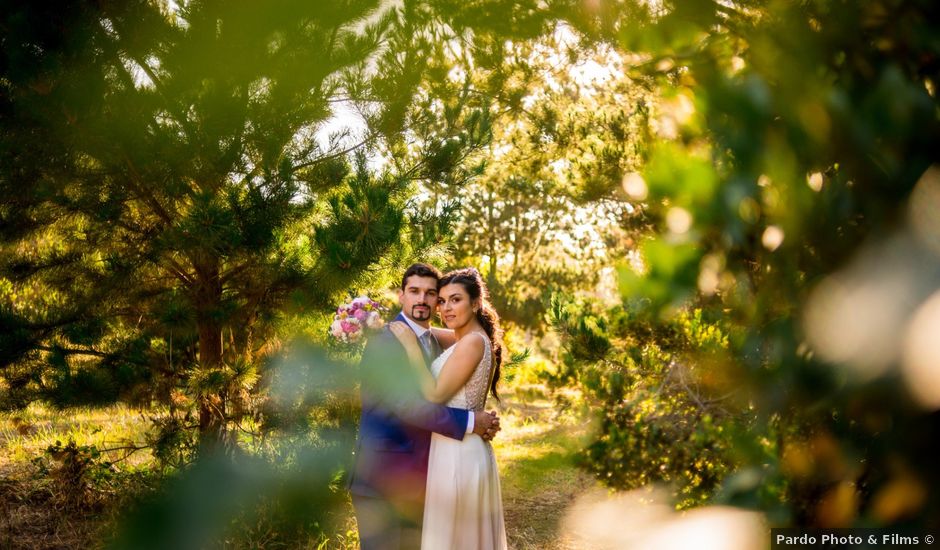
(352, 319)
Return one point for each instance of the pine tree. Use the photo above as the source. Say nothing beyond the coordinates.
(165, 200)
(546, 218)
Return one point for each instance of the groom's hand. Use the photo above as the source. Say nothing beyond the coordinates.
(485, 424)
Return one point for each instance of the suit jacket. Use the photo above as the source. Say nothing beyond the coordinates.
(395, 428)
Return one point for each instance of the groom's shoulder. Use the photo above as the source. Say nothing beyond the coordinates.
(381, 341)
(384, 336)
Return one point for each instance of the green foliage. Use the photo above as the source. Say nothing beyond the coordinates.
(784, 192)
(219, 501)
(77, 472)
(514, 362)
(168, 212)
(172, 206)
(367, 221)
(673, 273)
(662, 414)
(559, 138)
(173, 440)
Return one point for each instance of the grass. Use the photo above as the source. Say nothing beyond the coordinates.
(26, 434)
(40, 506)
(535, 452)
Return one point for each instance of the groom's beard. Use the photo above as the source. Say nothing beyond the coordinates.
(420, 313)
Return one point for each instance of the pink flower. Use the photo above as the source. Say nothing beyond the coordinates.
(336, 329)
(351, 325)
(352, 319)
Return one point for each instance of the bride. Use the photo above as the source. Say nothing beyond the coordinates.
(463, 507)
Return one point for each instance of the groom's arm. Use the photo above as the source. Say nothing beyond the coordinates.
(447, 421)
(426, 415)
(388, 381)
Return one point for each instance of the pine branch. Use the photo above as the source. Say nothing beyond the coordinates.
(131, 449)
(180, 117)
(144, 194)
(337, 154)
(178, 271)
(231, 273)
(75, 351)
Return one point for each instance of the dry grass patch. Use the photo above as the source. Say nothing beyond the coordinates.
(68, 498)
(39, 510)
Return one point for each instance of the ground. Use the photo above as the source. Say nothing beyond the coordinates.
(535, 452)
(37, 508)
(40, 509)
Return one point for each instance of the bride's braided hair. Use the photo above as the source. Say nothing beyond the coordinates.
(469, 278)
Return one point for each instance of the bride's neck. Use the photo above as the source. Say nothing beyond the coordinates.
(472, 326)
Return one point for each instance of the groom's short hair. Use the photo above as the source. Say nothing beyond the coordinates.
(421, 270)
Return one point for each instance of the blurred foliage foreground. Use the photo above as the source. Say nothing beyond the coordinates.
(167, 222)
(131, 483)
(775, 345)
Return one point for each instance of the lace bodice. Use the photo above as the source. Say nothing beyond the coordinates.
(472, 396)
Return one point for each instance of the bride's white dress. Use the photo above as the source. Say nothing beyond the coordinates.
(463, 508)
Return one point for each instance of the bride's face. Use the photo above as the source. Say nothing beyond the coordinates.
(455, 306)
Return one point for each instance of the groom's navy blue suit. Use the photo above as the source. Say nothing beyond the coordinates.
(390, 474)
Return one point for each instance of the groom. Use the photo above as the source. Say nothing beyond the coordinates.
(390, 474)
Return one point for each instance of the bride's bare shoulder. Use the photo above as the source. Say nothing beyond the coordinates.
(472, 344)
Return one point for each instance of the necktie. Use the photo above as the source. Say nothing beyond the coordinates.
(430, 347)
(435, 348)
(425, 340)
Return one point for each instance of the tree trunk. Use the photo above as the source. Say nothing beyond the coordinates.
(211, 405)
(491, 244)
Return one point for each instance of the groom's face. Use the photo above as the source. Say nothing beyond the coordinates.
(419, 298)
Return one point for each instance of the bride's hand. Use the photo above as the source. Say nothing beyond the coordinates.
(404, 334)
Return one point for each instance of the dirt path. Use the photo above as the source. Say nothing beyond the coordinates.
(536, 451)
